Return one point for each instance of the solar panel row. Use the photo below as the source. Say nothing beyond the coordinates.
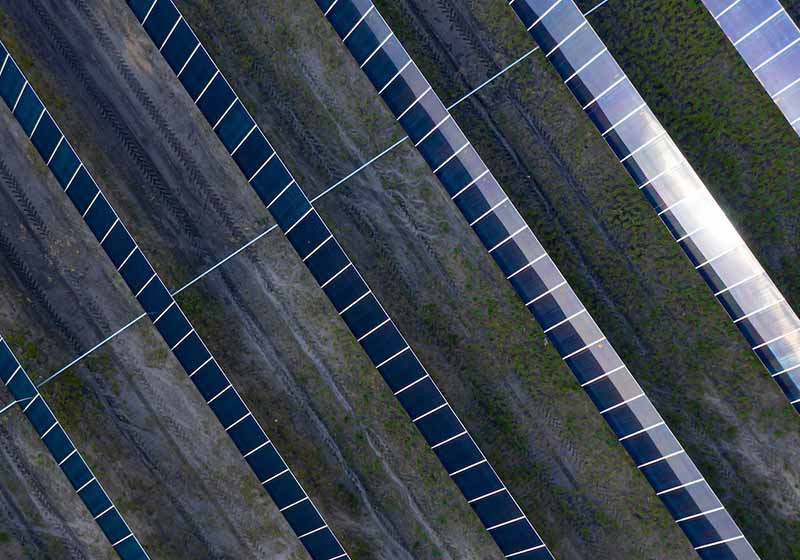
(663, 174)
(538, 282)
(167, 316)
(769, 42)
(68, 457)
(340, 280)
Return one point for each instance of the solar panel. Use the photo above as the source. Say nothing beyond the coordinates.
(340, 280)
(68, 458)
(536, 279)
(769, 42)
(662, 173)
(170, 321)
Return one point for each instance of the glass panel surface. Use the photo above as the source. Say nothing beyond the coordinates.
(750, 296)
(789, 103)
(730, 269)
(745, 16)
(781, 71)
(576, 51)
(654, 159)
(595, 78)
(775, 35)
(613, 105)
(553, 28)
(365, 38)
(672, 186)
(386, 63)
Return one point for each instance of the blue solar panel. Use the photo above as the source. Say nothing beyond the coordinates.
(137, 272)
(234, 126)
(67, 456)
(64, 163)
(180, 46)
(160, 20)
(197, 73)
(11, 81)
(46, 136)
(216, 99)
(510, 241)
(28, 110)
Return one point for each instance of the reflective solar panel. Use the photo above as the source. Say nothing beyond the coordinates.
(67, 456)
(768, 40)
(669, 183)
(163, 310)
(531, 271)
(345, 287)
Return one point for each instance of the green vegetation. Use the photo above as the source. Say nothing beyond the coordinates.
(26, 351)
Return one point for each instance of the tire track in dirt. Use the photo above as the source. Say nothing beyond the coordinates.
(439, 338)
(261, 75)
(16, 523)
(40, 299)
(362, 222)
(168, 427)
(39, 225)
(22, 272)
(317, 151)
(210, 195)
(148, 170)
(331, 164)
(104, 107)
(312, 148)
(38, 494)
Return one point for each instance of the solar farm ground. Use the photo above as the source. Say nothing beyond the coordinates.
(161, 454)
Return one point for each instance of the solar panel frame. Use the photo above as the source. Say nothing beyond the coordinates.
(161, 307)
(351, 296)
(505, 234)
(66, 455)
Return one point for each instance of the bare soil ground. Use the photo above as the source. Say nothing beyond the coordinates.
(157, 448)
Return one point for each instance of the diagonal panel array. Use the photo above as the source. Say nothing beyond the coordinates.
(666, 178)
(768, 40)
(537, 280)
(340, 280)
(68, 457)
(167, 316)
